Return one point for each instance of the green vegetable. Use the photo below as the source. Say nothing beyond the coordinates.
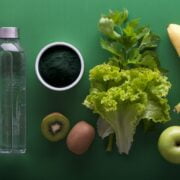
(129, 87)
(110, 143)
(123, 97)
(130, 44)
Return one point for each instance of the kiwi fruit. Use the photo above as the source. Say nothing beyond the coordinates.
(55, 127)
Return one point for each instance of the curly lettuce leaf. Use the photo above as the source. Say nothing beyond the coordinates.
(103, 128)
(123, 98)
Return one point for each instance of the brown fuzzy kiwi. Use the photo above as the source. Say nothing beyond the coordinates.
(55, 127)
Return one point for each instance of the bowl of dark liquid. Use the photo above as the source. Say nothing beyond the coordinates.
(59, 66)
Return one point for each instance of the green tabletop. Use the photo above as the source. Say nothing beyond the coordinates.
(75, 21)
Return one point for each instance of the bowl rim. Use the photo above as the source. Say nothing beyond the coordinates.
(42, 51)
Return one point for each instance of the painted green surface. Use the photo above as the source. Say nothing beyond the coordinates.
(75, 21)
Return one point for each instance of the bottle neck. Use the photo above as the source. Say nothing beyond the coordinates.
(9, 40)
(10, 44)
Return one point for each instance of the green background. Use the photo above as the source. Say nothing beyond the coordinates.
(75, 21)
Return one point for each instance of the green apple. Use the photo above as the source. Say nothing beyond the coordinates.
(169, 144)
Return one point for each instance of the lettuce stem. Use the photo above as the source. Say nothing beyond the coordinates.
(110, 143)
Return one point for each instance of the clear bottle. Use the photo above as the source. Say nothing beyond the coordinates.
(12, 92)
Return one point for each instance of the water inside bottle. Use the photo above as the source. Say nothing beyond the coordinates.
(12, 102)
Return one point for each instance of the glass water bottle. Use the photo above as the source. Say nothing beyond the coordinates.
(12, 92)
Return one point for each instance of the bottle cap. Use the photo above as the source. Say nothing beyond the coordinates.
(8, 32)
